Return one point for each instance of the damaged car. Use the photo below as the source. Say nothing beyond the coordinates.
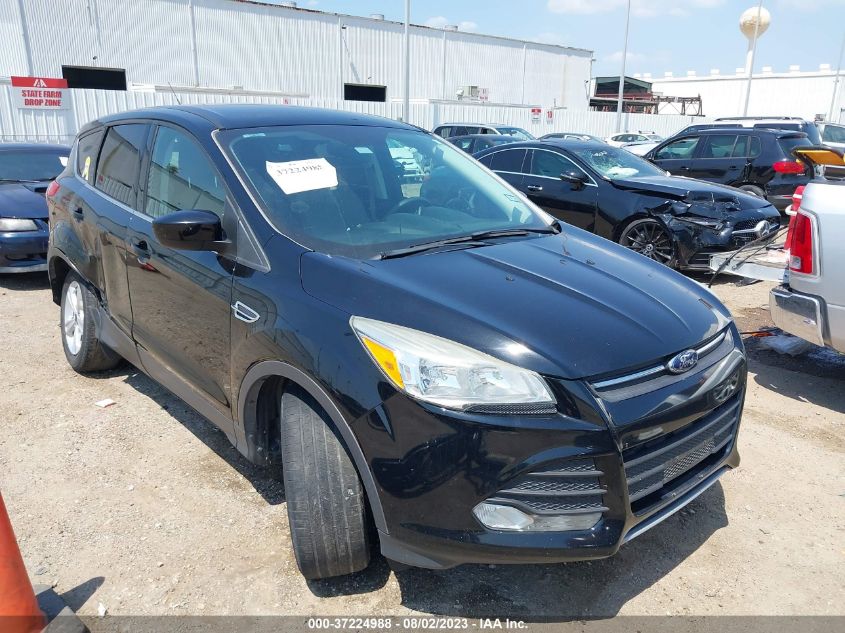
(677, 221)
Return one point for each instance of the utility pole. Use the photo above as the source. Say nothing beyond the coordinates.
(836, 83)
(622, 75)
(406, 101)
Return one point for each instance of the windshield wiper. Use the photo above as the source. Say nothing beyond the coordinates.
(472, 240)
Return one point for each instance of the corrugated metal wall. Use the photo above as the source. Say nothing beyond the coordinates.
(61, 125)
(226, 43)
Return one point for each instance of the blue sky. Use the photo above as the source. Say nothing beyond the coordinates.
(665, 35)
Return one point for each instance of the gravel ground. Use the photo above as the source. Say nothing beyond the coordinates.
(144, 508)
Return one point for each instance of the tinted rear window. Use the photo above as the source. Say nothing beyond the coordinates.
(117, 170)
(508, 160)
(789, 143)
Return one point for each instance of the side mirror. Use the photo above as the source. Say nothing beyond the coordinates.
(191, 230)
(574, 178)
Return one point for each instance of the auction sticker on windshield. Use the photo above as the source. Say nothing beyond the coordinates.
(296, 176)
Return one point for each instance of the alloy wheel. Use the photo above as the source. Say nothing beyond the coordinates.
(649, 238)
(73, 317)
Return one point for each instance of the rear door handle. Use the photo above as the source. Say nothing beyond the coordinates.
(683, 168)
(534, 188)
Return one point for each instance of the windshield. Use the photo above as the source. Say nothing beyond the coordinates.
(27, 164)
(518, 132)
(360, 191)
(614, 163)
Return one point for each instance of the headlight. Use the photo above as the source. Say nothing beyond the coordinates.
(716, 225)
(14, 225)
(446, 373)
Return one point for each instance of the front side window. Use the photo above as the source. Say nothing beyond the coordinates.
(26, 165)
(117, 169)
(444, 131)
(338, 190)
(616, 163)
(682, 148)
(552, 165)
(86, 155)
(463, 143)
(181, 177)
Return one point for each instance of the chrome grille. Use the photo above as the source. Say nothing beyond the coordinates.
(570, 487)
(631, 385)
(656, 465)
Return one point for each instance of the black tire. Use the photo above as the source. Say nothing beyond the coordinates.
(754, 191)
(649, 238)
(83, 350)
(325, 497)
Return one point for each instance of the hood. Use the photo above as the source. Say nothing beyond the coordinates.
(582, 305)
(23, 200)
(690, 190)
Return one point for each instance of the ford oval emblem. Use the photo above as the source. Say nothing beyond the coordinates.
(684, 361)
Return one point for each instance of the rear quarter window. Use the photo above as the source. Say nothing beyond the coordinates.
(87, 149)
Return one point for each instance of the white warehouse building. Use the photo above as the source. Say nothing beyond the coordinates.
(254, 48)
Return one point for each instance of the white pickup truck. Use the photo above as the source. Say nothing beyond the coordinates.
(811, 302)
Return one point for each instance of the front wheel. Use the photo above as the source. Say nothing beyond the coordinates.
(83, 349)
(325, 497)
(650, 238)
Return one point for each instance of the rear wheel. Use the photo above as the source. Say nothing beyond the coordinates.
(325, 497)
(83, 349)
(753, 190)
(650, 238)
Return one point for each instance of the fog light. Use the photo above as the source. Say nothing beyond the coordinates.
(499, 517)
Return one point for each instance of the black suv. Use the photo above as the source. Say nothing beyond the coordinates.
(388, 343)
(758, 161)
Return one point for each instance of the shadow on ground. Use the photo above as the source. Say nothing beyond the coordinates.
(266, 483)
(594, 589)
(24, 281)
(79, 595)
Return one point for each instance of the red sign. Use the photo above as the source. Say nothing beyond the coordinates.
(550, 116)
(40, 92)
(535, 114)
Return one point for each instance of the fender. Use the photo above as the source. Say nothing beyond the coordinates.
(248, 397)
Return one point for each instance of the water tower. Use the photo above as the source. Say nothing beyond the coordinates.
(753, 23)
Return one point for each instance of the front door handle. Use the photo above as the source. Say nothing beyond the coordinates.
(534, 188)
(244, 313)
(77, 213)
(683, 168)
(141, 250)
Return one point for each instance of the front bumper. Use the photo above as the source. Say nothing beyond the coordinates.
(24, 251)
(798, 314)
(439, 465)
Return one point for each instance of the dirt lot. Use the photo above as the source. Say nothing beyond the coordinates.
(144, 508)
